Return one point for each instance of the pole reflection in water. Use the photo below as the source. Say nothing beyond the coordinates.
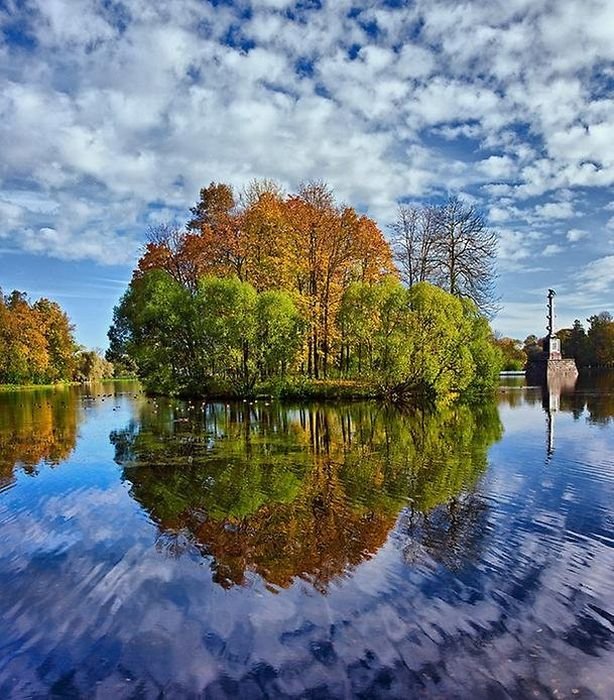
(551, 392)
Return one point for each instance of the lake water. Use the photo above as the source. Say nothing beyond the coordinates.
(167, 549)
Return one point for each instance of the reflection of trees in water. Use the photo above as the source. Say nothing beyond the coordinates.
(300, 492)
(36, 426)
(595, 394)
(591, 394)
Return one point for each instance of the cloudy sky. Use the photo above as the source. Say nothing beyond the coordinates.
(113, 113)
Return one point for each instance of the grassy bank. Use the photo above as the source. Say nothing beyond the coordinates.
(297, 389)
(319, 389)
(34, 387)
(60, 385)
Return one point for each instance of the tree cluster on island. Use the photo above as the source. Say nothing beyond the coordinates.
(268, 291)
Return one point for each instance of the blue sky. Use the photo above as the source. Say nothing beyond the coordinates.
(113, 113)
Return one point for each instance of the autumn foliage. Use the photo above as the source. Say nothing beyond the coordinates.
(199, 310)
(303, 244)
(36, 341)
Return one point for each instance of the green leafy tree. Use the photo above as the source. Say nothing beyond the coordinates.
(153, 325)
(226, 324)
(575, 344)
(441, 359)
(280, 333)
(418, 341)
(601, 339)
(222, 336)
(371, 323)
(487, 358)
(532, 347)
(91, 366)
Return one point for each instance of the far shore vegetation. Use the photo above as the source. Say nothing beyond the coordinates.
(592, 348)
(37, 346)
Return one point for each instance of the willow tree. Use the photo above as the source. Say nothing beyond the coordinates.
(224, 335)
(421, 340)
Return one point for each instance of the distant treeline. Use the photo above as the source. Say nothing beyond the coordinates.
(592, 348)
(37, 345)
(269, 289)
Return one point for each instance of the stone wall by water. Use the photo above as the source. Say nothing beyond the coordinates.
(548, 370)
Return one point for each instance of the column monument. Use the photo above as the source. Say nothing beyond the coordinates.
(549, 366)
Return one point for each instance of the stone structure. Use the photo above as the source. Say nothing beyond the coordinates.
(550, 366)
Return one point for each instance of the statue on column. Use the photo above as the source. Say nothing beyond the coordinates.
(549, 366)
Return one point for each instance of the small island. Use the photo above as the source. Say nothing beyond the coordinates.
(298, 296)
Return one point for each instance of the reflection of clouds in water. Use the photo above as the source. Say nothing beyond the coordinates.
(164, 622)
(510, 604)
(58, 522)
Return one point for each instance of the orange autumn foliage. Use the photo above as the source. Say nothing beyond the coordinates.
(305, 244)
(36, 341)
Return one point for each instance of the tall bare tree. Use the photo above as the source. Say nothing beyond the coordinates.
(450, 246)
(466, 251)
(414, 239)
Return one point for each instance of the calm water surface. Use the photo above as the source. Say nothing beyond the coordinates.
(168, 549)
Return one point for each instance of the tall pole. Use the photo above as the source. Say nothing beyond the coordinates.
(554, 344)
(550, 326)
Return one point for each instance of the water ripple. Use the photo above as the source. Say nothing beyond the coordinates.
(149, 550)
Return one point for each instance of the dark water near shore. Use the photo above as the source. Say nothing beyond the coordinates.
(167, 549)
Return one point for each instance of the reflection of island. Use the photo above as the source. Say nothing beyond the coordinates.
(297, 492)
(36, 426)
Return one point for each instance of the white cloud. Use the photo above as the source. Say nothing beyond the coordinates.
(516, 249)
(106, 116)
(498, 215)
(598, 277)
(555, 210)
(101, 246)
(497, 167)
(576, 234)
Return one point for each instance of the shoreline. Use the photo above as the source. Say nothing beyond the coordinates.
(6, 388)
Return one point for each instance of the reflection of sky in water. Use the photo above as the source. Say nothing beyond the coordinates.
(511, 593)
